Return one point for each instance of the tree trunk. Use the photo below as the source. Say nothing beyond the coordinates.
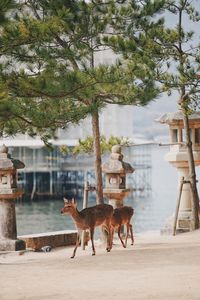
(192, 175)
(97, 153)
(184, 107)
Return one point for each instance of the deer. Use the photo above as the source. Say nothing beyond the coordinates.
(89, 218)
(122, 216)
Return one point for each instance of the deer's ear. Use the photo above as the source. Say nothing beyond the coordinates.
(74, 202)
(65, 200)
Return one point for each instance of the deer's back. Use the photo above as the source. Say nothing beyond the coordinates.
(122, 215)
(97, 215)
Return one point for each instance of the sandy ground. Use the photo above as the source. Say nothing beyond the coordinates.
(155, 268)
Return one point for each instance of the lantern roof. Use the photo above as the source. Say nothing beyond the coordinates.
(177, 117)
(7, 162)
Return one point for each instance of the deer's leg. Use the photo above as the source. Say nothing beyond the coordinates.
(104, 233)
(112, 235)
(106, 236)
(77, 243)
(127, 232)
(132, 237)
(92, 240)
(110, 238)
(119, 231)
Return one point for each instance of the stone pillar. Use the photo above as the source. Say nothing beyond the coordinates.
(9, 192)
(185, 209)
(185, 203)
(8, 229)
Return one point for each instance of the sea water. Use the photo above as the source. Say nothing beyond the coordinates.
(151, 211)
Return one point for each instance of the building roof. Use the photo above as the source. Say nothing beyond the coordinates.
(172, 117)
(35, 143)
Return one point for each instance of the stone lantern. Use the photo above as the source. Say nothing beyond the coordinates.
(9, 192)
(178, 157)
(115, 170)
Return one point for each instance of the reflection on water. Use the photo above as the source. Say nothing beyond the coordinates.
(150, 212)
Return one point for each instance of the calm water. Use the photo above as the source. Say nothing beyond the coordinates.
(150, 212)
(45, 216)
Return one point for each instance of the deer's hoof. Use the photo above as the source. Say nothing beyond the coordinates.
(108, 250)
(72, 257)
(93, 254)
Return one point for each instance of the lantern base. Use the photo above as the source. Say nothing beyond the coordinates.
(116, 203)
(183, 224)
(184, 221)
(12, 245)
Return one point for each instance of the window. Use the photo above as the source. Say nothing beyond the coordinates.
(174, 135)
(180, 135)
(197, 135)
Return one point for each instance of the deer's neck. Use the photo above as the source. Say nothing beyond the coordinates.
(78, 219)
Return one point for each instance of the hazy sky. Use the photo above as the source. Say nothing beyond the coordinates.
(144, 123)
(143, 120)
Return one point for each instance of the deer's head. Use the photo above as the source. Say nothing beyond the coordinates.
(69, 206)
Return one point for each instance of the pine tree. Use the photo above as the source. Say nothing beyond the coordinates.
(180, 71)
(6, 8)
(50, 52)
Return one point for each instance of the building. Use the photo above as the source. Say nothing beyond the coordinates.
(114, 120)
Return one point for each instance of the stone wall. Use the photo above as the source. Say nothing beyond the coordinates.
(53, 239)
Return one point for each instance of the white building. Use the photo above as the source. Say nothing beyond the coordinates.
(114, 120)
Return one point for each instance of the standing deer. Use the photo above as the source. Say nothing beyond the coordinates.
(122, 216)
(89, 218)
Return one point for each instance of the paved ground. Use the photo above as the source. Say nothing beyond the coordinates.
(155, 268)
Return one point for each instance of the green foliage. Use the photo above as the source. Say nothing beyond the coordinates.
(86, 145)
(49, 75)
(6, 7)
(179, 67)
(64, 149)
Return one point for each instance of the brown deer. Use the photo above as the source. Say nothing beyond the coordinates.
(122, 216)
(89, 218)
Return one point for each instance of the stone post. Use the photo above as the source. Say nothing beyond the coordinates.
(9, 192)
